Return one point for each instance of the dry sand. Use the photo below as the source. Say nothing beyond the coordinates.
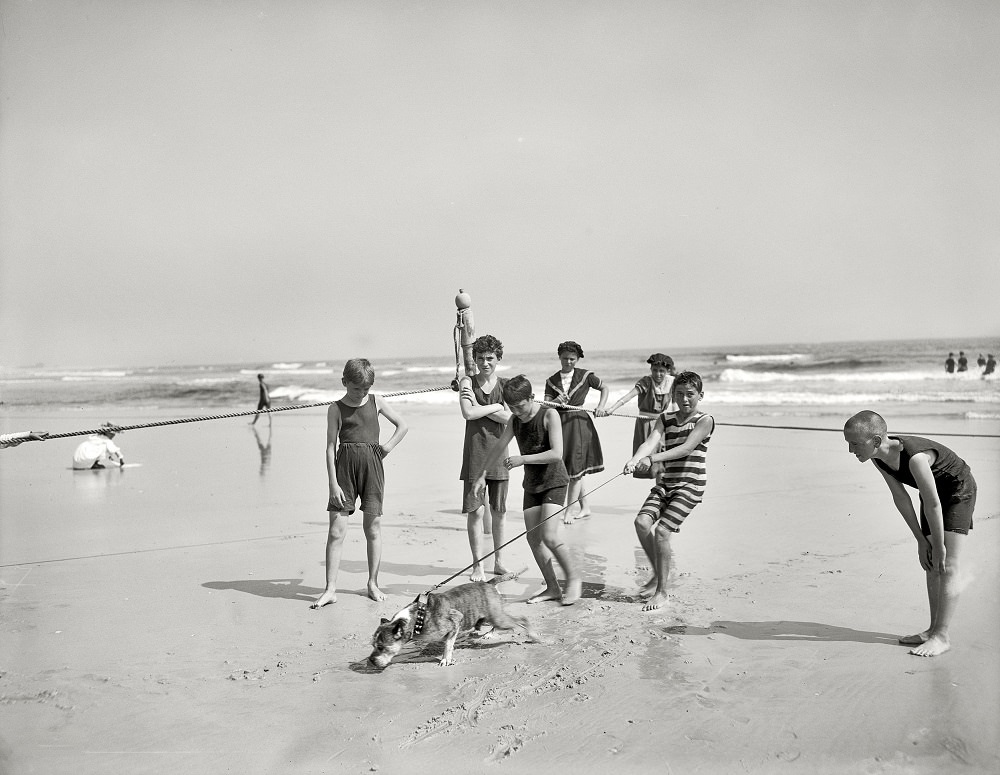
(156, 619)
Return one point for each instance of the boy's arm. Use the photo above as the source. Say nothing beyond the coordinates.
(702, 428)
(646, 448)
(904, 506)
(398, 422)
(473, 410)
(332, 435)
(920, 467)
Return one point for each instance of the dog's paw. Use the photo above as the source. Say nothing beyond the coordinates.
(445, 662)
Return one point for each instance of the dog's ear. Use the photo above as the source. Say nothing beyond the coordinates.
(397, 629)
(384, 620)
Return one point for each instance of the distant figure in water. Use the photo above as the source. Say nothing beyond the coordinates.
(963, 362)
(947, 500)
(980, 361)
(949, 364)
(991, 364)
(99, 451)
(264, 401)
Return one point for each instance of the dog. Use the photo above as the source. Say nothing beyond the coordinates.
(445, 615)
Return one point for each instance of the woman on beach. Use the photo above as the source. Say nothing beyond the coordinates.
(654, 392)
(581, 445)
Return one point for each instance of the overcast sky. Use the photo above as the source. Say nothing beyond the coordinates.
(195, 181)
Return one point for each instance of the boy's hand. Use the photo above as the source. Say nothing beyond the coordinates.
(641, 465)
(479, 488)
(513, 462)
(938, 558)
(382, 451)
(924, 554)
(467, 393)
(337, 498)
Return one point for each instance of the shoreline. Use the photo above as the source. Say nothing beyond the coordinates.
(158, 620)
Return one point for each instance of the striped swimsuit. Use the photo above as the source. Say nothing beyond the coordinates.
(681, 483)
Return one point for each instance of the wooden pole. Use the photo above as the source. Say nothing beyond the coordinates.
(467, 328)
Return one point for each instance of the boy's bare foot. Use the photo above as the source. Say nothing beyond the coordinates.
(932, 647)
(478, 574)
(584, 513)
(375, 593)
(573, 591)
(914, 640)
(545, 594)
(499, 570)
(648, 588)
(569, 519)
(325, 599)
(655, 602)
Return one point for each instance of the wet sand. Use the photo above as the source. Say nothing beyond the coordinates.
(157, 619)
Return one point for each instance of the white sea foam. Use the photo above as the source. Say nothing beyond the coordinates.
(767, 358)
(742, 375)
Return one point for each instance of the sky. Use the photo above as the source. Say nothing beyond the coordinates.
(199, 181)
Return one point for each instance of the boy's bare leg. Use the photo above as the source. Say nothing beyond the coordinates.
(554, 543)
(942, 594)
(474, 526)
(487, 524)
(498, 518)
(543, 557)
(643, 529)
(334, 548)
(373, 537)
(662, 567)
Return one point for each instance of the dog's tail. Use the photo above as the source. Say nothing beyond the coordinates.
(507, 577)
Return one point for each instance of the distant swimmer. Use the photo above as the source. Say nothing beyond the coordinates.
(264, 399)
(13, 439)
(991, 364)
(949, 364)
(963, 362)
(980, 361)
(947, 499)
(99, 451)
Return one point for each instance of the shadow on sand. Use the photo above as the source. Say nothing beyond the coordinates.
(785, 630)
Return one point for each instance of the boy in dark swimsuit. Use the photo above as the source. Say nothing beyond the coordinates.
(354, 470)
(947, 499)
(538, 431)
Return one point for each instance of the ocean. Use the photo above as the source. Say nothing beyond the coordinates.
(896, 377)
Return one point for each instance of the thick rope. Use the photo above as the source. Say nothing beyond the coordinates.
(228, 415)
(767, 427)
(520, 535)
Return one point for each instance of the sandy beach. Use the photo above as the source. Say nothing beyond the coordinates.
(156, 619)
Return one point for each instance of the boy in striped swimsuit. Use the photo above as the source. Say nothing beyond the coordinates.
(681, 483)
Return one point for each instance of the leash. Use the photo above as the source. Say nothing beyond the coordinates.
(520, 535)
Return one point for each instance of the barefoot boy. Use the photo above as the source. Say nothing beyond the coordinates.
(482, 404)
(679, 485)
(354, 468)
(947, 499)
(538, 431)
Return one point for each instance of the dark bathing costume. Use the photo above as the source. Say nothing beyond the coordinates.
(953, 480)
(359, 458)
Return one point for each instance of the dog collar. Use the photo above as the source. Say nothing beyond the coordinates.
(420, 613)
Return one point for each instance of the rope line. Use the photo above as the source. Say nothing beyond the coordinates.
(766, 427)
(228, 415)
(520, 535)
